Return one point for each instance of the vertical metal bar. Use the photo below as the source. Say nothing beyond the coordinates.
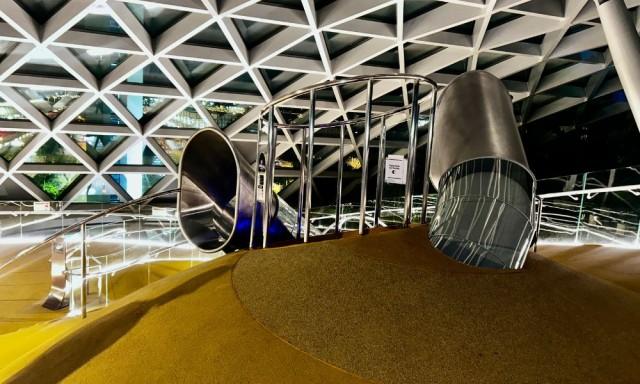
(268, 183)
(427, 162)
(254, 213)
(301, 188)
(83, 270)
(365, 158)
(584, 186)
(411, 155)
(339, 182)
(538, 221)
(638, 234)
(309, 181)
(380, 178)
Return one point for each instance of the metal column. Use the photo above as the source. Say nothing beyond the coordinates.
(268, 184)
(411, 155)
(380, 179)
(339, 183)
(624, 45)
(365, 158)
(308, 186)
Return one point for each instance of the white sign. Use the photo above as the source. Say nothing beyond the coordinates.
(261, 195)
(395, 169)
(41, 206)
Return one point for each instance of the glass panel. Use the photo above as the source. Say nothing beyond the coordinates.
(155, 19)
(43, 63)
(52, 152)
(41, 10)
(212, 36)
(136, 184)
(188, 118)
(98, 191)
(254, 33)
(8, 112)
(135, 156)
(241, 84)
(50, 102)
(150, 75)
(12, 142)
(173, 147)
(226, 113)
(99, 61)
(97, 146)
(98, 113)
(54, 184)
(195, 71)
(101, 23)
(143, 108)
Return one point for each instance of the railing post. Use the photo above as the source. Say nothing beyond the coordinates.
(411, 155)
(255, 185)
(427, 162)
(268, 184)
(380, 176)
(365, 158)
(83, 270)
(339, 182)
(301, 188)
(309, 181)
(538, 222)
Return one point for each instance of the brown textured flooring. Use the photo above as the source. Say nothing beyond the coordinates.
(186, 328)
(390, 308)
(617, 265)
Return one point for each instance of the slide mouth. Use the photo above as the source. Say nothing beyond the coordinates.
(209, 178)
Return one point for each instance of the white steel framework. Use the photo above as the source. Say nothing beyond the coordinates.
(552, 55)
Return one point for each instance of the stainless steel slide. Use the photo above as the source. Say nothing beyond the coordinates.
(215, 202)
(484, 214)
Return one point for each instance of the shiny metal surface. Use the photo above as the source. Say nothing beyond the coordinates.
(339, 181)
(411, 153)
(59, 292)
(309, 180)
(216, 199)
(380, 176)
(427, 161)
(365, 157)
(624, 45)
(485, 214)
(474, 119)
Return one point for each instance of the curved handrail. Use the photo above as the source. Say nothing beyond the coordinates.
(91, 218)
(355, 79)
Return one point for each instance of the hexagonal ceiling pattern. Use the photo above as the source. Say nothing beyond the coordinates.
(97, 93)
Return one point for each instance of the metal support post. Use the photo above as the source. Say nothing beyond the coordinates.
(380, 176)
(254, 213)
(268, 183)
(301, 188)
(538, 221)
(427, 162)
(411, 154)
(309, 181)
(83, 270)
(365, 158)
(624, 45)
(339, 182)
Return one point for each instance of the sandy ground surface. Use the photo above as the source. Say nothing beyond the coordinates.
(386, 307)
(392, 309)
(617, 265)
(188, 327)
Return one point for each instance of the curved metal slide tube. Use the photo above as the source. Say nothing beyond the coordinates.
(485, 212)
(215, 203)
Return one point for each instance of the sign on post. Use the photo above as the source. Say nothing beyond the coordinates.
(395, 169)
(41, 206)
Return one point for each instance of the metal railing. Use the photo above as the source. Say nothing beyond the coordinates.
(99, 246)
(266, 152)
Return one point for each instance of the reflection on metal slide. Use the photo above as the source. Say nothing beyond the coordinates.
(215, 202)
(485, 211)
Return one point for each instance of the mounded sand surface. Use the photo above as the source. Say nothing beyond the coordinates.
(393, 309)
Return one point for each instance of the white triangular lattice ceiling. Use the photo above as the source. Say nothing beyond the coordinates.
(196, 55)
